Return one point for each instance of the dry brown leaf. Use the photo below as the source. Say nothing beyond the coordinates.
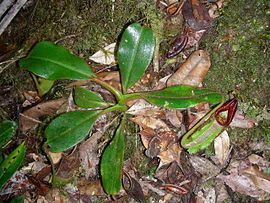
(30, 118)
(222, 147)
(55, 157)
(193, 71)
(105, 55)
(258, 177)
(172, 153)
(241, 121)
(68, 165)
(248, 179)
(112, 78)
(141, 107)
(244, 185)
(175, 117)
(205, 167)
(89, 155)
(150, 122)
(94, 188)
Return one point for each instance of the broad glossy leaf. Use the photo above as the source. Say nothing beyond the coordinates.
(87, 99)
(181, 96)
(10, 165)
(135, 53)
(112, 162)
(69, 129)
(54, 62)
(7, 131)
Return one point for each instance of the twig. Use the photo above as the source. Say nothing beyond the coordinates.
(10, 14)
(4, 6)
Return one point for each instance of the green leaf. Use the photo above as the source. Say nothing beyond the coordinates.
(69, 129)
(181, 96)
(43, 85)
(112, 162)
(87, 99)
(135, 53)
(54, 62)
(10, 165)
(7, 131)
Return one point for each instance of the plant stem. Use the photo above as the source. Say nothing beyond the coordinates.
(116, 93)
(132, 96)
(116, 107)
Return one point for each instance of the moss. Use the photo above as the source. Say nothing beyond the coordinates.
(240, 57)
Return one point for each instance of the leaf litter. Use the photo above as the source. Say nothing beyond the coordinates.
(177, 173)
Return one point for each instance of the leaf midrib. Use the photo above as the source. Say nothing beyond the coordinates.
(76, 126)
(132, 59)
(60, 64)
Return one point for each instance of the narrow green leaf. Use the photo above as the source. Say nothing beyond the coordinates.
(10, 165)
(135, 53)
(69, 129)
(112, 162)
(54, 62)
(7, 131)
(87, 99)
(181, 96)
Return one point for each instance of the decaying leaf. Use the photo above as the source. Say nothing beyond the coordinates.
(172, 153)
(89, 188)
(55, 157)
(248, 178)
(141, 107)
(112, 78)
(105, 55)
(68, 165)
(205, 167)
(89, 155)
(193, 71)
(258, 177)
(151, 122)
(133, 187)
(196, 15)
(30, 118)
(241, 121)
(222, 147)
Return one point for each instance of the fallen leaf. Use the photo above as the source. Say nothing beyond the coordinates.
(91, 188)
(244, 185)
(31, 97)
(205, 167)
(172, 153)
(55, 157)
(150, 122)
(105, 55)
(175, 117)
(141, 107)
(258, 177)
(68, 165)
(241, 121)
(222, 147)
(30, 118)
(133, 187)
(247, 178)
(89, 155)
(193, 71)
(112, 78)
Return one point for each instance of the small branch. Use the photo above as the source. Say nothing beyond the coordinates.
(117, 93)
(10, 14)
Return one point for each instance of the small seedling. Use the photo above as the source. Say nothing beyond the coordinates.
(135, 53)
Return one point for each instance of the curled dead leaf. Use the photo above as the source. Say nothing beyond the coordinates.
(105, 55)
(222, 147)
(193, 71)
(30, 118)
